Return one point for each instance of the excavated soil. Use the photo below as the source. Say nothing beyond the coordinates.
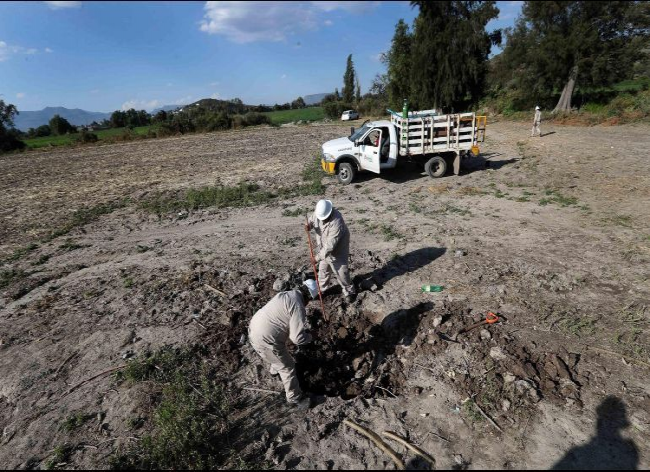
(550, 233)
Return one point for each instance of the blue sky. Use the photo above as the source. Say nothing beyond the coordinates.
(103, 56)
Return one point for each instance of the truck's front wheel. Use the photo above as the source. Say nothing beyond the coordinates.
(346, 173)
(436, 167)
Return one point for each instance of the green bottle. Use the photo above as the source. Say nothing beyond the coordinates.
(432, 288)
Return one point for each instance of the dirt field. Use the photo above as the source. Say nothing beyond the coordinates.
(551, 233)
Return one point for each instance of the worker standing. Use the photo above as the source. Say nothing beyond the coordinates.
(282, 318)
(537, 122)
(333, 239)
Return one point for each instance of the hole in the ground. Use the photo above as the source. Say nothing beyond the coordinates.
(351, 356)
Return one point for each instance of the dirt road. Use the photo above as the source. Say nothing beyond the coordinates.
(551, 233)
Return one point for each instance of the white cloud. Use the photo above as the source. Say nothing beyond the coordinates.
(215, 96)
(62, 5)
(328, 22)
(20, 95)
(214, 84)
(48, 50)
(350, 7)
(140, 105)
(8, 50)
(247, 22)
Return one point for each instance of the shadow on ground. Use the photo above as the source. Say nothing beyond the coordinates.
(405, 264)
(608, 450)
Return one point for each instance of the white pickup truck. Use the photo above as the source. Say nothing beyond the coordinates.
(424, 137)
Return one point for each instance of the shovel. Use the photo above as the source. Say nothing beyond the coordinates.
(491, 318)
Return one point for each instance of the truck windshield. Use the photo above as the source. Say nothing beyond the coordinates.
(359, 133)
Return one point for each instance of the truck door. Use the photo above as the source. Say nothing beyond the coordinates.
(369, 150)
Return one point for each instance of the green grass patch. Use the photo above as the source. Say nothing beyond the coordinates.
(10, 276)
(59, 456)
(471, 411)
(415, 208)
(448, 208)
(41, 260)
(103, 135)
(554, 196)
(86, 215)
(244, 194)
(19, 253)
(578, 326)
(296, 212)
(75, 421)
(288, 116)
(389, 233)
(190, 420)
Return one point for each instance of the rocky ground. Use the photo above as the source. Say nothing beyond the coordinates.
(550, 233)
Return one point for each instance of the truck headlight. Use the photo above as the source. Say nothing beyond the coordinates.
(328, 157)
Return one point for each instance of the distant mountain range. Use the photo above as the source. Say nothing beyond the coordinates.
(33, 119)
(314, 99)
(166, 108)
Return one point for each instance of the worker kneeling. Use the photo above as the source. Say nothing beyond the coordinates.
(333, 238)
(283, 317)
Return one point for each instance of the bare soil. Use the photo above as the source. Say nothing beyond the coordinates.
(551, 233)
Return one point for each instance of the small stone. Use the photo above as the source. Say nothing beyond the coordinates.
(505, 404)
(523, 386)
(509, 378)
(485, 335)
(497, 354)
(437, 321)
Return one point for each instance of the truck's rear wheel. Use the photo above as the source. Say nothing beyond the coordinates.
(436, 167)
(346, 173)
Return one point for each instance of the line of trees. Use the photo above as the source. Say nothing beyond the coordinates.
(555, 49)
(558, 47)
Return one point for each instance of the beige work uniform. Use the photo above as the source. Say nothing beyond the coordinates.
(282, 318)
(536, 123)
(333, 239)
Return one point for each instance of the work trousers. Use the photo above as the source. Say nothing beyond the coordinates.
(338, 269)
(536, 129)
(281, 363)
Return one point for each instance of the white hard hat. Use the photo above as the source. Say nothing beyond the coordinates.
(536, 108)
(313, 288)
(324, 209)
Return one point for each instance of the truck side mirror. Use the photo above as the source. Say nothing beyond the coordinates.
(356, 143)
(351, 131)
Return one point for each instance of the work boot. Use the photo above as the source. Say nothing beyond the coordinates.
(301, 404)
(351, 298)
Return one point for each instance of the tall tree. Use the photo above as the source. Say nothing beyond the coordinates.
(559, 45)
(9, 136)
(398, 61)
(337, 96)
(59, 125)
(450, 52)
(348, 81)
(357, 95)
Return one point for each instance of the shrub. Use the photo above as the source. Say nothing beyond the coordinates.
(86, 137)
(334, 110)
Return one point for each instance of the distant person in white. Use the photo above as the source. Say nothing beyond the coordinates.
(537, 122)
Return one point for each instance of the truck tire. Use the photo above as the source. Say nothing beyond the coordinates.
(346, 173)
(436, 167)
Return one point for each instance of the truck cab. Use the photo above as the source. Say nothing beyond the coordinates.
(373, 147)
